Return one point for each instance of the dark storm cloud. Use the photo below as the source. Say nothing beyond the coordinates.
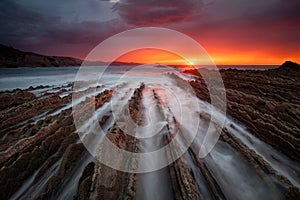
(248, 26)
(73, 27)
(16, 20)
(51, 33)
(273, 13)
(157, 12)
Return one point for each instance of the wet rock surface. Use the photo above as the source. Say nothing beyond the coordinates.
(42, 156)
(11, 99)
(266, 102)
(85, 182)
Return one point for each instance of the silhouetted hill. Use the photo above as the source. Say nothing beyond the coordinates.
(11, 58)
(286, 66)
(289, 65)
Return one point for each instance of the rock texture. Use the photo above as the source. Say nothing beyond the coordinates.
(266, 102)
(42, 157)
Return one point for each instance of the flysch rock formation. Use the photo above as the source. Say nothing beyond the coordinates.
(257, 155)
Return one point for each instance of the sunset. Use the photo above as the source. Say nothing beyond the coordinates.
(150, 100)
(234, 58)
(154, 56)
(232, 32)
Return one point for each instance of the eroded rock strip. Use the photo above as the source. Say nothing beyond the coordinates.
(213, 185)
(183, 181)
(29, 109)
(27, 155)
(70, 161)
(255, 160)
(41, 156)
(155, 184)
(85, 182)
(267, 103)
(70, 177)
(108, 183)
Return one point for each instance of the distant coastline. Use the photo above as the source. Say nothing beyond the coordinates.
(15, 58)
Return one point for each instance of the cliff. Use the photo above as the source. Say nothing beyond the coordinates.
(12, 58)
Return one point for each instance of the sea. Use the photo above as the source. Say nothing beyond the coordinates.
(23, 78)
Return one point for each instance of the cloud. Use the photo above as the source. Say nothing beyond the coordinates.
(158, 13)
(270, 26)
(74, 27)
(53, 33)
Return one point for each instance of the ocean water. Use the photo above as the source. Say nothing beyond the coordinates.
(46, 76)
(23, 78)
(248, 67)
(12, 78)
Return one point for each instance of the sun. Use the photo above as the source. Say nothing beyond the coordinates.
(191, 63)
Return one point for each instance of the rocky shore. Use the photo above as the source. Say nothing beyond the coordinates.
(42, 156)
(266, 102)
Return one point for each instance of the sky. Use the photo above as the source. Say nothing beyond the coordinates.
(231, 31)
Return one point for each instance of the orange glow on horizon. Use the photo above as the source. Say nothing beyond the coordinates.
(154, 56)
(157, 56)
(256, 58)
